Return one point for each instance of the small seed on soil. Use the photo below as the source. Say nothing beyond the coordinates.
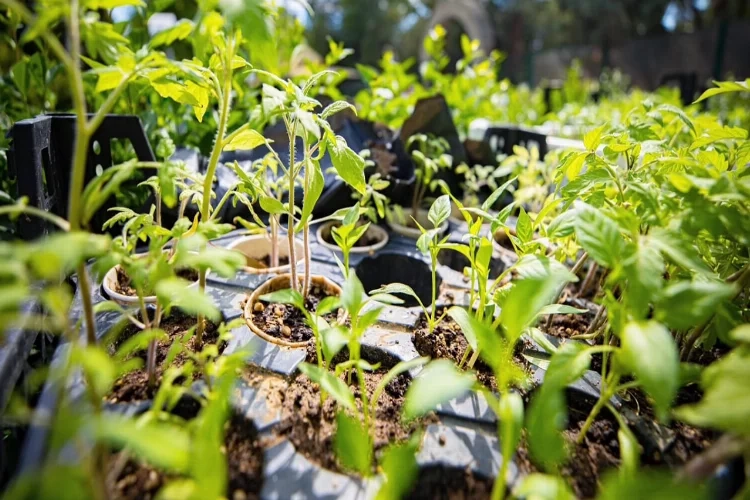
(286, 331)
(258, 307)
(279, 312)
(441, 440)
(153, 480)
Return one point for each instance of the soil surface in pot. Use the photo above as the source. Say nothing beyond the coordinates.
(600, 449)
(286, 322)
(265, 262)
(448, 341)
(566, 325)
(244, 459)
(450, 484)
(367, 239)
(688, 440)
(133, 386)
(599, 452)
(312, 427)
(123, 280)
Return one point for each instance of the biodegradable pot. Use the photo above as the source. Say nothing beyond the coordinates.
(373, 231)
(259, 246)
(281, 282)
(413, 232)
(110, 287)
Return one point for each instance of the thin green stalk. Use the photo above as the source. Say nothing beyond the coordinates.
(603, 398)
(213, 162)
(433, 313)
(290, 222)
(306, 232)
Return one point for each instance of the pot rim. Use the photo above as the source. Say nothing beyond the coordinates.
(355, 250)
(269, 270)
(413, 232)
(111, 275)
(247, 311)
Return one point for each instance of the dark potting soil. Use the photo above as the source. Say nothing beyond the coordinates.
(244, 460)
(366, 240)
(285, 321)
(688, 440)
(438, 483)
(567, 325)
(312, 427)
(134, 386)
(265, 262)
(600, 449)
(447, 341)
(599, 452)
(123, 281)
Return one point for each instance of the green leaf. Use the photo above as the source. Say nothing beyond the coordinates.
(560, 309)
(678, 251)
(399, 465)
(524, 227)
(467, 324)
(644, 269)
(245, 140)
(723, 87)
(333, 340)
(725, 404)
(348, 164)
(330, 384)
(440, 381)
(741, 334)
(353, 444)
(440, 210)
(287, 296)
(539, 486)
(175, 292)
(546, 419)
(255, 21)
(111, 4)
(524, 301)
(390, 376)
(688, 303)
(399, 288)
(179, 31)
(649, 351)
(599, 236)
(353, 295)
(593, 138)
(630, 451)
(109, 78)
(161, 445)
(61, 253)
(336, 107)
(510, 418)
(568, 364)
(648, 483)
(307, 127)
(668, 108)
(271, 205)
(541, 267)
(312, 194)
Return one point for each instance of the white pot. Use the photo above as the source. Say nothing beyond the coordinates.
(413, 232)
(259, 246)
(110, 285)
(373, 231)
